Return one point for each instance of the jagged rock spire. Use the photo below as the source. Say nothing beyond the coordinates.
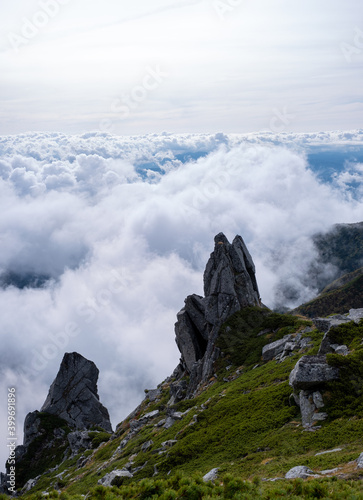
(229, 285)
(73, 395)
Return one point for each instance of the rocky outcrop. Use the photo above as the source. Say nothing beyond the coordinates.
(311, 371)
(308, 376)
(71, 408)
(73, 395)
(229, 285)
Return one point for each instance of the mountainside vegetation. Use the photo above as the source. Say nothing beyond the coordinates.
(243, 422)
(276, 411)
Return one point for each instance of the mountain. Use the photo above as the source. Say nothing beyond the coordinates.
(258, 396)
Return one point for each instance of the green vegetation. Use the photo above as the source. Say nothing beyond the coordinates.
(98, 438)
(45, 451)
(244, 422)
(336, 301)
(193, 488)
(345, 395)
(239, 338)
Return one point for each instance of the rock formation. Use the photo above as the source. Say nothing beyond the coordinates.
(229, 285)
(73, 395)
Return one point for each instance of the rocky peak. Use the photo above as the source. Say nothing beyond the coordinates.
(73, 395)
(229, 286)
(229, 280)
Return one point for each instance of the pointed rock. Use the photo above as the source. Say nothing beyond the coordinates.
(73, 395)
(229, 285)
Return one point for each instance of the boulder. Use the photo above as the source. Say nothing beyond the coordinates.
(73, 395)
(270, 351)
(79, 440)
(108, 478)
(301, 471)
(311, 371)
(212, 475)
(355, 315)
(360, 461)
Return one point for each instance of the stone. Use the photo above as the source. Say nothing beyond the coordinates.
(325, 324)
(360, 461)
(212, 475)
(147, 445)
(318, 399)
(29, 485)
(355, 315)
(153, 394)
(301, 471)
(270, 351)
(342, 350)
(229, 285)
(79, 440)
(31, 427)
(169, 422)
(307, 408)
(73, 395)
(229, 280)
(328, 451)
(108, 478)
(311, 371)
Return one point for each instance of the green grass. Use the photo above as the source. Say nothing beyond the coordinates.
(249, 427)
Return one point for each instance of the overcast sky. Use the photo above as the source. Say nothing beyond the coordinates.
(180, 65)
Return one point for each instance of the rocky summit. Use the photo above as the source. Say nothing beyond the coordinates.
(229, 286)
(73, 395)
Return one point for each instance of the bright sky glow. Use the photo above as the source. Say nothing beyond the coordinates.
(221, 65)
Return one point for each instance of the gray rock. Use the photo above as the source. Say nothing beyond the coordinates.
(229, 280)
(31, 427)
(153, 394)
(29, 485)
(270, 351)
(147, 445)
(108, 478)
(341, 349)
(325, 324)
(169, 422)
(212, 475)
(229, 285)
(318, 399)
(307, 408)
(329, 471)
(360, 461)
(79, 440)
(310, 371)
(355, 315)
(301, 471)
(150, 415)
(73, 395)
(328, 451)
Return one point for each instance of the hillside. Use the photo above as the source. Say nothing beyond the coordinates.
(256, 394)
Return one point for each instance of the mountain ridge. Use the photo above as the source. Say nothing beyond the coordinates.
(252, 355)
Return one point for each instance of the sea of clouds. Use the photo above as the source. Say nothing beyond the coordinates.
(119, 229)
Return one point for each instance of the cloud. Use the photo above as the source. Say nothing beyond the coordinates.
(122, 248)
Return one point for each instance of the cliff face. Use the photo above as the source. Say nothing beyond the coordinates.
(229, 286)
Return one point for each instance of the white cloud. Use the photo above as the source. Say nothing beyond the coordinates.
(124, 251)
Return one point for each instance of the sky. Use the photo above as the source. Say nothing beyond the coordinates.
(180, 66)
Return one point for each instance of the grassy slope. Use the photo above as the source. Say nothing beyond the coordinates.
(243, 422)
(337, 301)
